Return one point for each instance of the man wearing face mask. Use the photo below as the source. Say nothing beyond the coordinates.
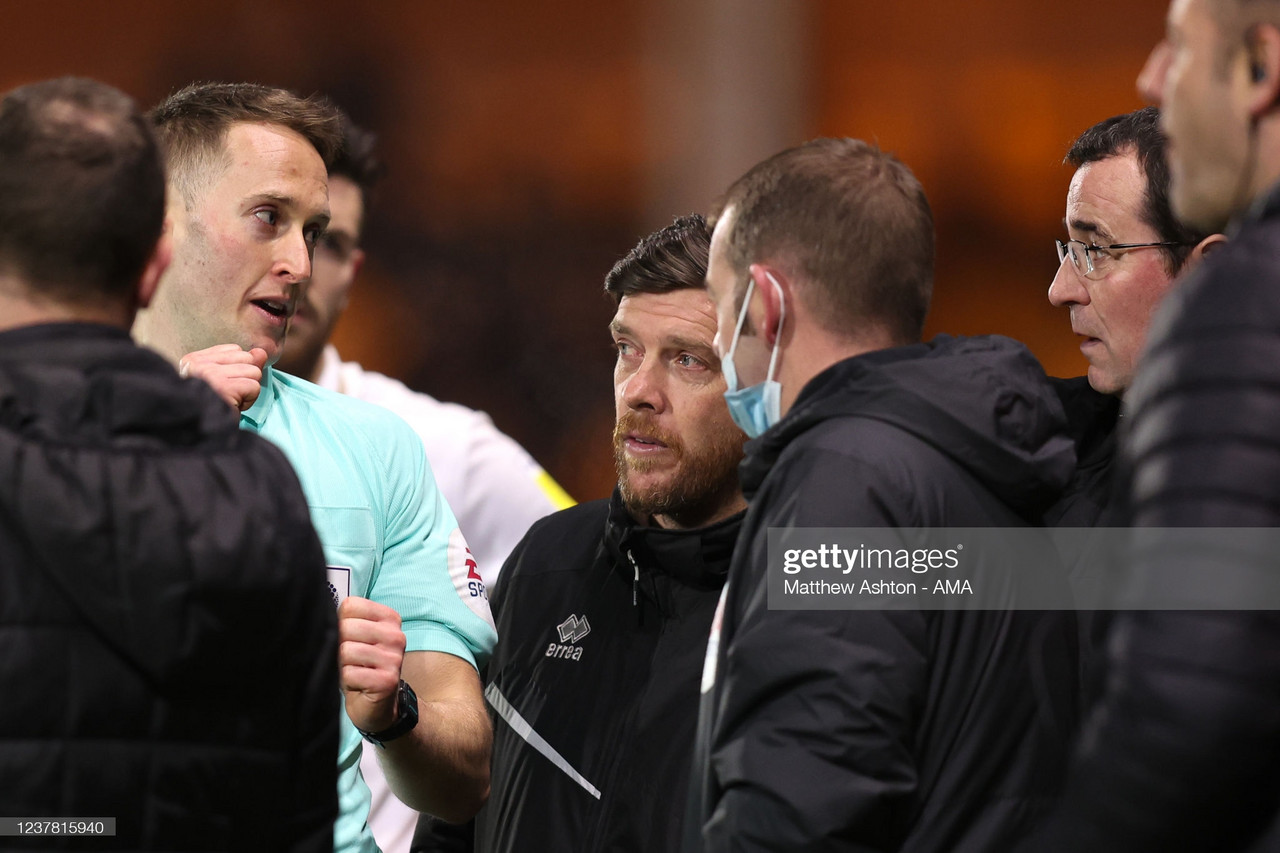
(909, 730)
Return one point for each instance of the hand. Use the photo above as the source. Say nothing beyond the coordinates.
(370, 654)
(235, 374)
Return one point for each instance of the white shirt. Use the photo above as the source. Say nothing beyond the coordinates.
(495, 489)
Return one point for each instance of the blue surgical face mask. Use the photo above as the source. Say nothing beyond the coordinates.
(759, 407)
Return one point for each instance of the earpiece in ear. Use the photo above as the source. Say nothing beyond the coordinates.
(1259, 73)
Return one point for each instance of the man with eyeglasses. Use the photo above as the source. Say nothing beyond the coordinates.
(1125, 246)
(1123, 252)
(1182, 752)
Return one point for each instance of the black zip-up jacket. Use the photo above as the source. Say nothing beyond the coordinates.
(1183, 753)
(602, 628)
(891, 730)
(167, 641)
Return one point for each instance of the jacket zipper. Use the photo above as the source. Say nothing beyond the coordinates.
(635, 581)
(604, 820)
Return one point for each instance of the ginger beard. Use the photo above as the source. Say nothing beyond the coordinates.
(702, 476)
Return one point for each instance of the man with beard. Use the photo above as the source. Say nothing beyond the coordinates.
(603, 610)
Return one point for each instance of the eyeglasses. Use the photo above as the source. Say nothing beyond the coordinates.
(1082, 253)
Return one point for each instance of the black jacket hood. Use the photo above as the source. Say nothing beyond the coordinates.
(984, 401)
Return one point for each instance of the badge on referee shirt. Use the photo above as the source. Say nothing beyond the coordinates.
(339, 583)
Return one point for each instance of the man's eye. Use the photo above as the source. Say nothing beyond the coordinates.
(686, 360)
(312, 236)
(268, 216)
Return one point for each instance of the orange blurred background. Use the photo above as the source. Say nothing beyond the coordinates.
(530, 145)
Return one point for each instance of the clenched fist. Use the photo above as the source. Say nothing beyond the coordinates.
(235, 374)
(370, 653)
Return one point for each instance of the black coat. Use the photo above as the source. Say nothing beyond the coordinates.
(892, 730)
(1090, 500)
(168, 640)
(602, 628)
(1184, 751)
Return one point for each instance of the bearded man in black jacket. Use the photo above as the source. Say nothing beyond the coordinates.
(604, 609)
(904, 730)
(169, 642)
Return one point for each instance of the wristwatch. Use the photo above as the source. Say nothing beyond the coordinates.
(406, 718)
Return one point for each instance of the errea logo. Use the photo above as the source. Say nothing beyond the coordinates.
(571, 631)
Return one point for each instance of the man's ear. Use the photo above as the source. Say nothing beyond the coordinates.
(1263, 56)
(1209, 244)
(161, 255)
(775, 298)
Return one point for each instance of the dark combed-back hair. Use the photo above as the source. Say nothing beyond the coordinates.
(81, 191)
(192, 125)
(357, 158)
(674, 258)
(1139, 132)
(855, 222)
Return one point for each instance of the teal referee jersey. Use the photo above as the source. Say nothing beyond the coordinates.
(387, 534)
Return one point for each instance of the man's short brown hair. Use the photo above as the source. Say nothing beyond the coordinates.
(672, 258)
(81, 191)
(855, 223)
(192, 125)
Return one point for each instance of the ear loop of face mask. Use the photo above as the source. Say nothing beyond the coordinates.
(756, 408)
(742, 317)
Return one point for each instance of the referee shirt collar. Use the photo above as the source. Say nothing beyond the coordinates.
(257, 413)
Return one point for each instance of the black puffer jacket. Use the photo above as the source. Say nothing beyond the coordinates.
(602, 628)
(1184, 752)
(892, 730)
(168, 641)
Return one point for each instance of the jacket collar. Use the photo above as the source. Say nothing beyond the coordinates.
(258, 413)
(697, 558)
(1265, 206)
(73, 344)
(91, 382)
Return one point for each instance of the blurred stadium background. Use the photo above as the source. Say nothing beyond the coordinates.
(530, 144)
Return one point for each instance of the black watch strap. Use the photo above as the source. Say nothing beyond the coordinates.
(406, 718)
